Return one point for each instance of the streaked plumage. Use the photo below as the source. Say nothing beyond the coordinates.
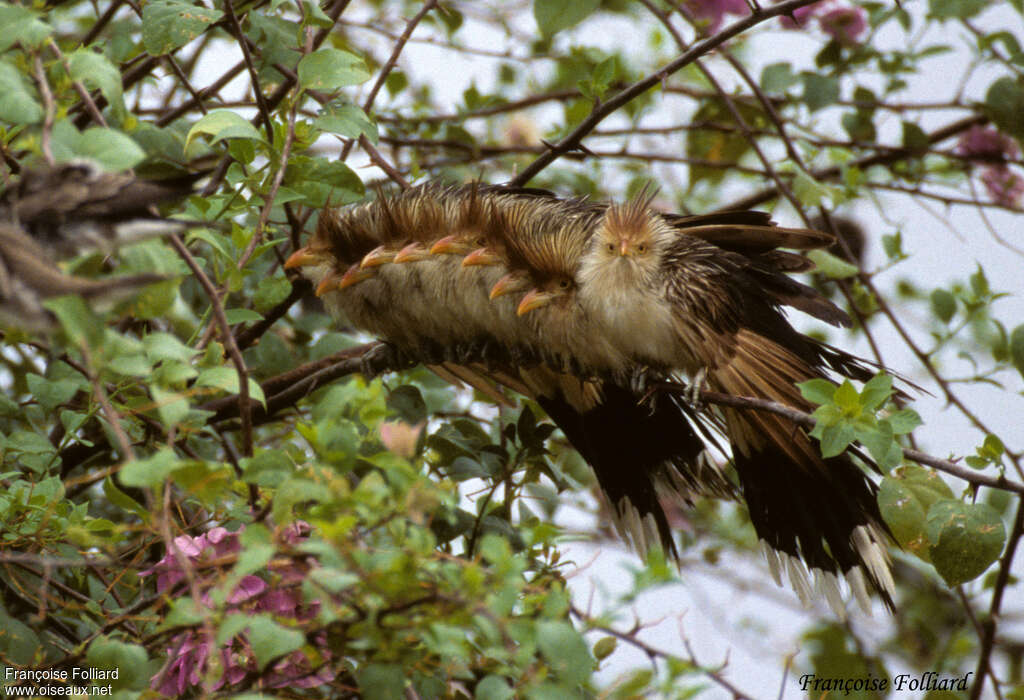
(704, 296)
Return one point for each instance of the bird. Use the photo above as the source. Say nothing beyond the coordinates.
(438, 227)
(592, 300)
(28, 277)
(704, 296)
(74, 207)
(56, 211)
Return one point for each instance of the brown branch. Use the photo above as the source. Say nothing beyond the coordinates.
(989, 625)
(808, 421)
(390, 65)
(575, 138)
(244, 402)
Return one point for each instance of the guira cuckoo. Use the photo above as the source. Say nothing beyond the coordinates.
(604, 294)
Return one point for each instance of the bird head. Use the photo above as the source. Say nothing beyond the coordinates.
(627, 246)
(553, 293)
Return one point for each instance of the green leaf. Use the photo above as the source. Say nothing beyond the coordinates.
(162, 347)
(122, 500)
(111, 149)
(170, 24)
(222, 124)
(817, 391)
(832, 267)
(77, 320)
(19, 105)
(381, 681)
(346, 119)
(18, 643)
(552, 16)
(493, 688)
(51, 393)
(893, 246)
(96, 70)
(879, 441)
(836, 438)
(820, 90)
(1004, 103)
(269, 640)
(1017, 348)
(778, 77)
(809, 191)
(130, 660)
(904, 421)
(270, 292)
(876, 392)
(20, 24)
(408, 403)
(565, 651)
(171, 406)
(943, 304)
(151, 471)
(605, 647)
(847, 398)
(268, 468)
(328, 69)
(955, 9)
(226, 378)
(966, 539)
(914, 138)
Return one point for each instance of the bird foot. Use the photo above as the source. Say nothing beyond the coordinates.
(638, 379)
(384, 357)
(693, 389)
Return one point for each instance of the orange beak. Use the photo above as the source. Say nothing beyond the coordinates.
(534, 299)
(481, 256)
(413, 252)
(354, 275)
(624, 248)
(448, 245)
(506, 285)
(301, 258)
(328, 283)
(378, 256)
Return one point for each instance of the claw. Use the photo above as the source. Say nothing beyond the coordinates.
(382, 358)
(697, 386)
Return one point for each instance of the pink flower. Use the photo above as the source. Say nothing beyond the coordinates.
(714, 10)
(802, 15)
(987, 142)
(1004, 186)
(844, 24)
(189, 652)
(401, 438)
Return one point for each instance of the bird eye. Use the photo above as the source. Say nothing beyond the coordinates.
(610, 247)
(641, 248)
(563, 284)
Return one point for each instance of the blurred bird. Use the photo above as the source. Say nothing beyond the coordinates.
(28, 277)
(55, 212)
(74, 207)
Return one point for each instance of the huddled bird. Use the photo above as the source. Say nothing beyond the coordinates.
(585, 307)
(55, 212)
